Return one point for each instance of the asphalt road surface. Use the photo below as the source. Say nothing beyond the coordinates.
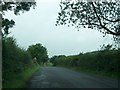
(56, 77)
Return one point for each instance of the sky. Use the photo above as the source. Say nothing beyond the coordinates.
(38, 26)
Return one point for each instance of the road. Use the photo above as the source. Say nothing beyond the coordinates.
(57, 77)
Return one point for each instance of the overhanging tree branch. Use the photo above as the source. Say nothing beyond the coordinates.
(108, 31)
(117, 20)
(92, 14)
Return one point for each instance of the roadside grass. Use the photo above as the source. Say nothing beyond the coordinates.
(19, 80)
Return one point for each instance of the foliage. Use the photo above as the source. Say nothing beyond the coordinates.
(19, 80)
(103, 16)
(16, 6)
(39, 52)
(14, 58)
(105, 60)
(15, 63)
(107, 47)
(6, 24)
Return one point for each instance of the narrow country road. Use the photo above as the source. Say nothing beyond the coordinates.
(56, 77)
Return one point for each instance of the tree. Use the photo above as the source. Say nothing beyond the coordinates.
(106, 47)
(16, 6)
(102, 16)
(39, 52)
(53, 60)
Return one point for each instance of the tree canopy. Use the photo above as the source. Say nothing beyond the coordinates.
(16, 6)
(39, 52)
(101, 16)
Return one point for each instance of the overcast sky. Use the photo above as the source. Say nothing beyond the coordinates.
(38, 26)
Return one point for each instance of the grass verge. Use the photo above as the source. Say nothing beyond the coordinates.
(19, 80)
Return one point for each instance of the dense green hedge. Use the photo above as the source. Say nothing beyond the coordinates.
(15, 60)
(102, 61)
(13, 57)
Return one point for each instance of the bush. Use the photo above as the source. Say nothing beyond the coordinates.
(15, 59)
